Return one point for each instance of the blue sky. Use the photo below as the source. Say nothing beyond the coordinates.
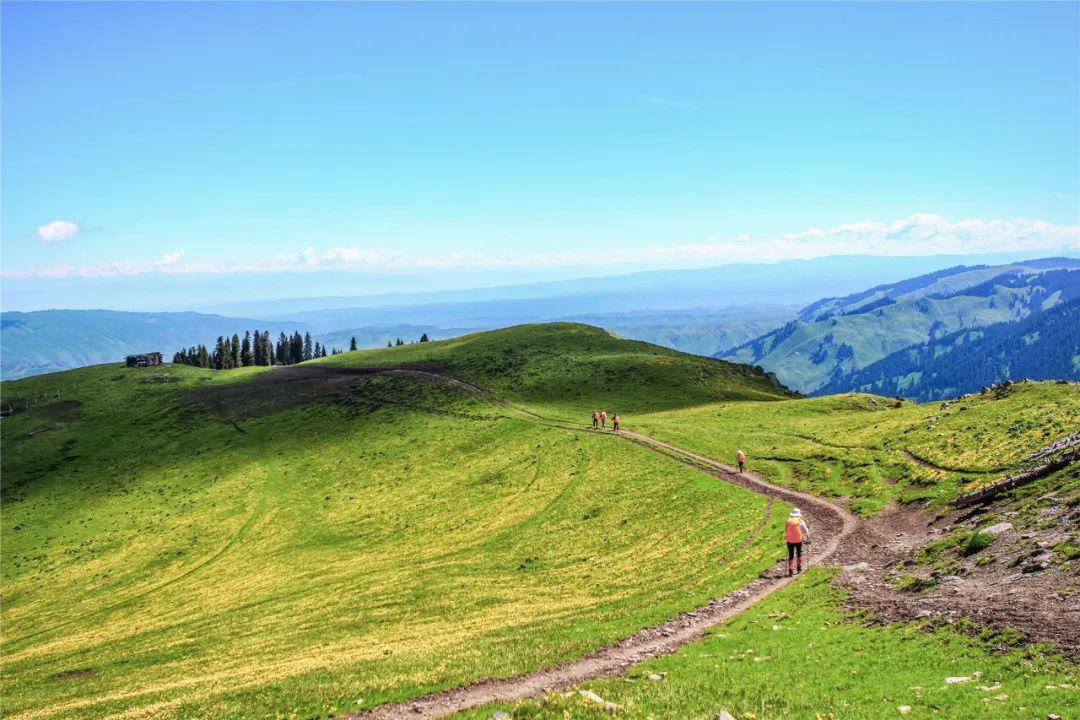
(502, 142)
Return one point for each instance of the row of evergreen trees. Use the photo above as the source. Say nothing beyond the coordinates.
(233, 352)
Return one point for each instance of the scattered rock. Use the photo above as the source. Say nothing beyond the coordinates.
(904, 709)
(1036, 566)
(594, 698)
(654, 677)
(501, 715)
(857, 567)
(956, 680)
(724, 715)
(998, 528)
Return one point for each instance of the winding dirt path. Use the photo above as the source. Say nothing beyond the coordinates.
(831, 525)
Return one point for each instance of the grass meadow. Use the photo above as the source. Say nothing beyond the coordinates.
(218, 545)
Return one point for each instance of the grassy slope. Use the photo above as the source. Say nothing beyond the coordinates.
(864, 448)
(568, 369)
(798, 655)
(332, 552)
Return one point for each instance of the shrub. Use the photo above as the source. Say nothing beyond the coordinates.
(977, 542)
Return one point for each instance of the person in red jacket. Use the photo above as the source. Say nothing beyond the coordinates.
(603, 418)
(615, 422)
(595, 419)
(796, 534)
(741, 457)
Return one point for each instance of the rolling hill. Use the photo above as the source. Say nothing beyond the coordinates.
(313, 540)
(831, 339)
(260, 540)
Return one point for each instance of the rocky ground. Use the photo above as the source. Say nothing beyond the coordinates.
(1021, 572)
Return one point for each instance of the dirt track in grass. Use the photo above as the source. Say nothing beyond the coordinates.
(831, 525)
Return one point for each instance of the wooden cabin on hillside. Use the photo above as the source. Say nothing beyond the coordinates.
(145, 360)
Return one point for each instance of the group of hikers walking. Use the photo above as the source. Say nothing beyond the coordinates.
(600, 418)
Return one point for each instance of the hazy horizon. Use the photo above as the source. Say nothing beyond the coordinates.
(218, 294)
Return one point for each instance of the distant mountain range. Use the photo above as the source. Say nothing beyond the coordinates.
(893, 338)
(743, 312)
(39, 342)
(50, 340)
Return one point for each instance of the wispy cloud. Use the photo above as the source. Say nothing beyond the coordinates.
(57, 231)
(667, 102)
(923, 234)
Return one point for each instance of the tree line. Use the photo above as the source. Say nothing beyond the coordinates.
(260, 349)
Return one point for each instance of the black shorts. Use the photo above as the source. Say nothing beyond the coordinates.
(792, 549)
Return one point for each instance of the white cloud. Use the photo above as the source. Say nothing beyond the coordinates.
(57, 231)
(1059, 195)
(921, 234)
(666, 102)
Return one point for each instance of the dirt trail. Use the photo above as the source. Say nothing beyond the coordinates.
(829, 521)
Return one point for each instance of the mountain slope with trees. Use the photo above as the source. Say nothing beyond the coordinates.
(1043, 346)
(833, 338)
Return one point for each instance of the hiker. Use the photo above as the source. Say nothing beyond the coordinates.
(796, 533)
(615, 422)
(741, 457)
(595, 419)
(603, 418)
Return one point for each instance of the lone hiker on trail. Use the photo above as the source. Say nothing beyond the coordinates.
(603, 418)
(797, 533)
(615, 422)
(595, 419)
(741, 457)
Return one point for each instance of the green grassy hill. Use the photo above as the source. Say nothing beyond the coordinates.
(283, 541)
(309, 540)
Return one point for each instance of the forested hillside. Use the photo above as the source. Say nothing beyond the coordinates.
(1043, 346)
(834, 338)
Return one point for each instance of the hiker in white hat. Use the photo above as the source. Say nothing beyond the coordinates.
(797, 533)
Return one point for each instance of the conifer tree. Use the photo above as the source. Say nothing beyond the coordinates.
(236, 352)
(296, 348)
(247, 357)
(204, 357)
(389, 344)
(282, 350)
(424, 338)
(399, 342)
(308, 350)
(352, 343)
(268, 349)
(219, 353)
(317, 352)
